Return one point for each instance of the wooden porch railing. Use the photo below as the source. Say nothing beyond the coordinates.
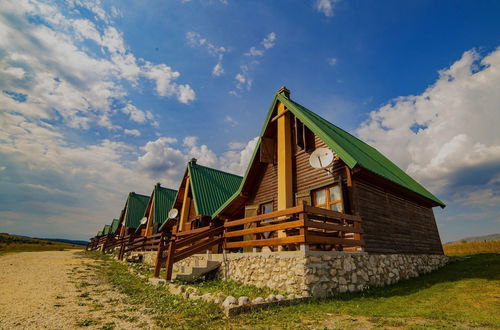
(302, 224)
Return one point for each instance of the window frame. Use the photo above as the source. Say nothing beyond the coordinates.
(263, 205)
(328, 203)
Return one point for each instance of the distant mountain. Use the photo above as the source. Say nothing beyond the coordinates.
(63, 240)
(491, 237)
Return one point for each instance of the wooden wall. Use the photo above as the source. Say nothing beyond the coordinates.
(393, 224)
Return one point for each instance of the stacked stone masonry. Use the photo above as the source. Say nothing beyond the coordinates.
(318, 273)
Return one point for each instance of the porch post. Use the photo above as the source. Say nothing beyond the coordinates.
(285, 192)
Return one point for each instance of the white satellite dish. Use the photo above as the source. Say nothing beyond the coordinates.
(172, 214)
(144, 220)
(321, 158)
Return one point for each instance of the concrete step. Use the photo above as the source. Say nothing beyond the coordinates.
(189, 274)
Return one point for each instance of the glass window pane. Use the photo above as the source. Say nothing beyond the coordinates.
(336, 207)
(335, 193)
(266, 208)
(320, 197)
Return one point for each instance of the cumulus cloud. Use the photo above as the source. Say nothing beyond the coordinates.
(196, 40)
(236, 160)
(325, 7)
(447, 137)
(164, 157)
(63, 78)
(133, 132)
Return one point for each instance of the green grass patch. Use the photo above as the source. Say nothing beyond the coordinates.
(86, 323)
(168, 310)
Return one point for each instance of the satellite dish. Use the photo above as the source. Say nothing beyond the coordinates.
(321, 158)
(144, 220)
(172, 214)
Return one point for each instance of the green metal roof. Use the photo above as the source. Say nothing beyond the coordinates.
(106, 229)
(99, 233)
(350, 149)
(164, 199)
(135, 208)
(211, 187)
(114, 226)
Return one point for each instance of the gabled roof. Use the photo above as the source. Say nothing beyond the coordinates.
(106, 229)
(164, 198)
(350, 149)
(114, 226)
(211, 187)
(134, 209)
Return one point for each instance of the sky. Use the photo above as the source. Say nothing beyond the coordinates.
(99, 98)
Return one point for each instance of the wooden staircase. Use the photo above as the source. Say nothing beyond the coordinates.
(187, 243)
(200, 268)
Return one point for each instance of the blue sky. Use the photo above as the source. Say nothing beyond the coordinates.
(98, 98)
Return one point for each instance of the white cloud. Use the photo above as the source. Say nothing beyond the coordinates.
(217, 70)
(253, 51)
(230, 120)
(15, 72)
(66, 80)
(133, 132)
(163, 158)
(332, 61)
(325, 6)
(269, 41)
(447, 137)
(236, 160)
(243, 79)
(196, 40)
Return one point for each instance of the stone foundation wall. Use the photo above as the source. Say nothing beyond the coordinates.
(148, 257)
(318, 273)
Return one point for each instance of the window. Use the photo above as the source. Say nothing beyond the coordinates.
(329, 197)
(266, 208)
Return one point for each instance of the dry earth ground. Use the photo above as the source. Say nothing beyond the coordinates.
(61, 290)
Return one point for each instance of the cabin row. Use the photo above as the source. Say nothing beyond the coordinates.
(309, 186)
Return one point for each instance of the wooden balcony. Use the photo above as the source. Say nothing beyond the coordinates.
(303, 225)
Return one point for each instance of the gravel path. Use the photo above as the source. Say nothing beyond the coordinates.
(61, 290)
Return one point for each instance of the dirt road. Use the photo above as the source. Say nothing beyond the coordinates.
(61, 290)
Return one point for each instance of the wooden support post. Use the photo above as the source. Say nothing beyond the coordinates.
(285, 190)
(103, 249)
(169, 263)
(186, 204)
(303, 230)
(159, 254)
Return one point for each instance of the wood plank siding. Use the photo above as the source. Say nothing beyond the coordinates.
(394, 224)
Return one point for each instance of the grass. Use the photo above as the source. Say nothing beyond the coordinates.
(168, 310)
(468, 248)
(462, 294)
(13, 243)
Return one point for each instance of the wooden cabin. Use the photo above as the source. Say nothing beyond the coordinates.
(160, 203)
(132, 213)
(202, 191)
(361, 201)
(114, 227)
